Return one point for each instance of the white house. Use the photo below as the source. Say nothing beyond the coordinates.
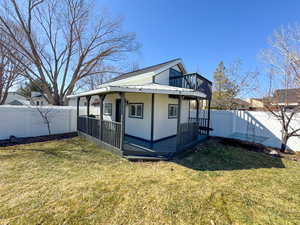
(13, 98)
(38, 99)
(147, 112)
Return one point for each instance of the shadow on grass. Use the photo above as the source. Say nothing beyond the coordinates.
(212, 155)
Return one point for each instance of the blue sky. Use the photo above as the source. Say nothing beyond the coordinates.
(204, 32)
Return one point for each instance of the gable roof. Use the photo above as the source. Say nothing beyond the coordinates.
(143, 70)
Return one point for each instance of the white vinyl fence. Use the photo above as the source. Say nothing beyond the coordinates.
(25, 121)
(259, 127)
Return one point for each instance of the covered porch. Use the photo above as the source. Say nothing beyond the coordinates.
(113, 135)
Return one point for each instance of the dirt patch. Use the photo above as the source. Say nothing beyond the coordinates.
(250, 146)
(28, 140)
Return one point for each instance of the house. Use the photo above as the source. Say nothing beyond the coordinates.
(256, 103)
(240, 104)
(146, 113)
(13, 98)
(38, 99)
(287, 97)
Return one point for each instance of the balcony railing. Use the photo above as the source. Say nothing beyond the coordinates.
(192, 81)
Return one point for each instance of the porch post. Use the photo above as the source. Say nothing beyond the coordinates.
(152, 119)
(178, 136)
(208, 118)
(77, 108)
(123, 114)
(88, 99)
(101, 99)
(197, 112)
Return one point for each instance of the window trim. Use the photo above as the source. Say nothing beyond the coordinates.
(172, 117)
(136, 103)
(107, 113)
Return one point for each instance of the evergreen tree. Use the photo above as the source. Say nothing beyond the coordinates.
(224, 90)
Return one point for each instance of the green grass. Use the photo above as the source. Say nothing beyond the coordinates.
(73, 182)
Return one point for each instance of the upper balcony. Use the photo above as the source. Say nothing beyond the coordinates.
(192, 81)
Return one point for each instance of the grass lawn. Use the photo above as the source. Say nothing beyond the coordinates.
(73, 182)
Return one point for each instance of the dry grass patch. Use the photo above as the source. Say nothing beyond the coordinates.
(73, 182)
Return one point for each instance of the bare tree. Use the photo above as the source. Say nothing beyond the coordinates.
(283, 68)
(65, 41)
(10, 70)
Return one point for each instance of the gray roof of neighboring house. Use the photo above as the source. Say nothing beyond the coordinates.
(141, 71)
(287, 95)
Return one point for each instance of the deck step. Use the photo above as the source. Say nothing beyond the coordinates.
(146, 158)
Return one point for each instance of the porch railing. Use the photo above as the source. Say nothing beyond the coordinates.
(203, 125)
(108, 132)
(192, 81)
(187, 134)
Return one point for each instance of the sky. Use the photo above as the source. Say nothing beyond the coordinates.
(203, 32)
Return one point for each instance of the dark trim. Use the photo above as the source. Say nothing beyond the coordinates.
(178, 123)
(172, 117)
(136, 103)
(77, 109)
(208, 123)
(88, 100)
(189, 109)
(107, 114)
(152, 117)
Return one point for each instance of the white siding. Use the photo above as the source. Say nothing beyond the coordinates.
(139, 127)
(163, 126)
(163, 77)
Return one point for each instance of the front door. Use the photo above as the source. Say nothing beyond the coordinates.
(118, 110)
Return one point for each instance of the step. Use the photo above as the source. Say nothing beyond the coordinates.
(145, 158)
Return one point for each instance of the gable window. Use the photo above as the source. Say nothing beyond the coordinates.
(136, 110)
(172, 111)
(107, 109)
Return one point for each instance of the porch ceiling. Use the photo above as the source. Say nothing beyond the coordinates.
(149, 88)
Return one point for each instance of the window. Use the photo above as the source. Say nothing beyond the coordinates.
(172, 111)
(37, 103)
(107, 109)
(136, 110)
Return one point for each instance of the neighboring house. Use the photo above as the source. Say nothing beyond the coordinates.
(288, 97)
(147, 112)
(240, 104)
(13, 98)
(38, 99)
(256, 103)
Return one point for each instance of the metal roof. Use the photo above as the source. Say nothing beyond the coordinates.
(141, 71)
(148, 88)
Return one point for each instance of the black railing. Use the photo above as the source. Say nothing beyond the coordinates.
(203, 125)
(110, 132)
(187, 134)
(192, 81)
